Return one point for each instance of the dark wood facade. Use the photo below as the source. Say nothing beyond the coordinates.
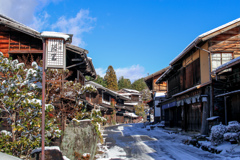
(227, 80)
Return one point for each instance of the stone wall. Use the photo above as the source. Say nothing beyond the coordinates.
(79, 137)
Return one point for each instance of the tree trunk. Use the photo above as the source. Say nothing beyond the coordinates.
(13, 119)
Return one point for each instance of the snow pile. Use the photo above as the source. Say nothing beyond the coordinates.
(231, 133)
(230, 136)
(217, 133)
(233, 126)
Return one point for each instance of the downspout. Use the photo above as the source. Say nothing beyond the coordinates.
(210, 78)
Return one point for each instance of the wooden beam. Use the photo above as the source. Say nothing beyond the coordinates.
(77, 59)
(24, 51)
(74, 65)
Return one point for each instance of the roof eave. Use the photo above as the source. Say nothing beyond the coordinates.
(187, 49)
(206, 36)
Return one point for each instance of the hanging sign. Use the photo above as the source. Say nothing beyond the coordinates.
(55, 49)
(55, 53)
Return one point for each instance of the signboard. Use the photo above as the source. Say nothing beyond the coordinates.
(55, 53)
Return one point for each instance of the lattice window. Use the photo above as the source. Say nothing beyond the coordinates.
(219, 59)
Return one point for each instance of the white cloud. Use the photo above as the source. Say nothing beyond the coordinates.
(133, 72)
(25, 11)
(33, 14)
(81, 23)
(40, 22)
(101, 71)
(20, 10)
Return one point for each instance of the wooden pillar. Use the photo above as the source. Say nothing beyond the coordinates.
(204, 127)
(225, 107)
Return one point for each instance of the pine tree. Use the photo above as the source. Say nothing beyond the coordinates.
(139, 85)
(111, 79)
(124, 83)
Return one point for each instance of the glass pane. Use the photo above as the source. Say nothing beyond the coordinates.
(226, 57)
(216, 60)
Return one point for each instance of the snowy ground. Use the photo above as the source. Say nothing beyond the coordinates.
(134, 141)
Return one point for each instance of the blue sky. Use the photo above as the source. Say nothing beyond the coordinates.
(136, 37)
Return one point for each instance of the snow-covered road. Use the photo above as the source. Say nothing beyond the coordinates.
(134, 142)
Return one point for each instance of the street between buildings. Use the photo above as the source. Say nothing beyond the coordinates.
(134, 141)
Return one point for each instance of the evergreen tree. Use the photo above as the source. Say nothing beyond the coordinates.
(20, 90)
(100, 81)
(124, 83)
(139, 85)
(111, 79)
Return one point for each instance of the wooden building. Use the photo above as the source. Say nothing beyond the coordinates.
(134, 96)
(158, 93)
(190, 94)
(227, 80)
(25, 44)
(109, 102)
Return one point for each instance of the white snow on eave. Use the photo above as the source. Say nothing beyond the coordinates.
(166, 72)
(106, 89)
(136, 103)
(130, 115)
(157, 94)
(219, 28)
(125, 94)
(130, 90)
(18, 23)
(212, 118)
(196, 40)
(55, 35)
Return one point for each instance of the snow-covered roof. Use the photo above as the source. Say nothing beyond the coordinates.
(130, 115)
(163, 75)
(130, 90)
(227, 65)
(11, 23)
(212, 118)
(160, 94)
(200, 37)
(156, 73)
(108, 90)
(126, 94)
(64, 36)
(132, 104)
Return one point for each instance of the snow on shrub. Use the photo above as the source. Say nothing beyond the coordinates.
(233, 126)
(229, 136)
(217, 133)
(20, 90)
